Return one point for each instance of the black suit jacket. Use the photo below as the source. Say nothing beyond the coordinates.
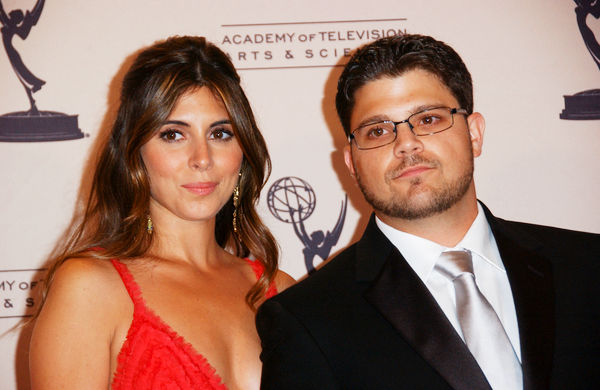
(366, 320)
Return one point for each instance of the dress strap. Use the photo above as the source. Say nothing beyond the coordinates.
(132, 287)
(256, 266)
(259, 269)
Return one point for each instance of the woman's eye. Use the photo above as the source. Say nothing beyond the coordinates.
(221, 133)
(171, 135)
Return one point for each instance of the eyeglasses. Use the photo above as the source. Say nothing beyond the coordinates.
(422, 123)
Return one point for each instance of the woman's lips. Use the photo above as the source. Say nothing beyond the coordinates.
(200, 188)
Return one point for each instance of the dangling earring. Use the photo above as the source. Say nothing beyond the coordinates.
(236, 203)
(149, 225)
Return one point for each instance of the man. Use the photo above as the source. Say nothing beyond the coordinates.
(438, 293)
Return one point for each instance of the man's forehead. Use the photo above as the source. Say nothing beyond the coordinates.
(408, 76)
(405, 94)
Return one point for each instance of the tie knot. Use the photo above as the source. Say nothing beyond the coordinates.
(451, 264)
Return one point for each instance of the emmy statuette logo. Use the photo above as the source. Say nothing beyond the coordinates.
(32, 125)
(585, 104)
(292, 200)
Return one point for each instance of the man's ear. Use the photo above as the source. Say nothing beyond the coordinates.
(348, 160)
(476, 124)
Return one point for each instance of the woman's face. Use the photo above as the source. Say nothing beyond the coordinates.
(193, 159)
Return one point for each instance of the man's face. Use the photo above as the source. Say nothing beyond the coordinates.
(413, 177)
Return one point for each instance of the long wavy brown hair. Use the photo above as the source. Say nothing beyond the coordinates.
(116, 211)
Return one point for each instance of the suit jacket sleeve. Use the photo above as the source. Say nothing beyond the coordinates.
(291, 358)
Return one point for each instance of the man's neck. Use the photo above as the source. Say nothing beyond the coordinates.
(446, 228)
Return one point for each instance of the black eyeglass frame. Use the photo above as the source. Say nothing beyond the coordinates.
(410, 126)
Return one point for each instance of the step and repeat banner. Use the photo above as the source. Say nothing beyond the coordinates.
(536, 73)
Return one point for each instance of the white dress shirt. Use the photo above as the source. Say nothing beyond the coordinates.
(490, 275)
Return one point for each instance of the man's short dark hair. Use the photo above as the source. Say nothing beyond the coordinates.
(393, 56)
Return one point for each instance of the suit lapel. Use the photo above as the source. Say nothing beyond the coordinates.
(531, 282)
(401, 297)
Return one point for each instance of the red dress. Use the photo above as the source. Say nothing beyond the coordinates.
(154, 356)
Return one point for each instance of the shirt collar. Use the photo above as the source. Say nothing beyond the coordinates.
(422, 254)
(480, 240)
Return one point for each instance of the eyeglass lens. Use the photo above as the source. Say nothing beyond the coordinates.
(422, 123)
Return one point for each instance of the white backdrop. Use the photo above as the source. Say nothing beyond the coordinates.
(523, 56)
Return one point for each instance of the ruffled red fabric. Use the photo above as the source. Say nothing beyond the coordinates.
(154, 356)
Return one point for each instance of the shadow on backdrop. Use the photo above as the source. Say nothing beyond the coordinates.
(349, 186)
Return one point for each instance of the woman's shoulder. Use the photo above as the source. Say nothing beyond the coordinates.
(84, 286)
(86, 275)
(283, 280)
(75, 327)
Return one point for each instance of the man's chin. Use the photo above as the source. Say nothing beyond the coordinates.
(417, 206)
(412, 212)
(421, 202)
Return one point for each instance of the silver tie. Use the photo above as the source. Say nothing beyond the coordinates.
(484, 334)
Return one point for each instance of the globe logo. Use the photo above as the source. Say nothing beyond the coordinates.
(291, 199)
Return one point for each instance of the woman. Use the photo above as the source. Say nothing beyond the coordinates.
(153, 290)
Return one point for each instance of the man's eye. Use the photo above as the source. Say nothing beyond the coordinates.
(376, 132)
(171, 135)
(428, 120)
